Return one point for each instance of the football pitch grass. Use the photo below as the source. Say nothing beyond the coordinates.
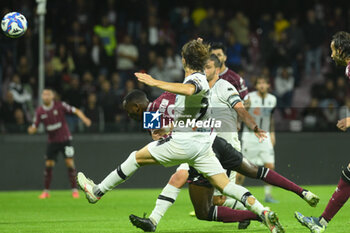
(24, 212)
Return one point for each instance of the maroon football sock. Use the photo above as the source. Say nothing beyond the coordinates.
(47, 177)
(72, 174)
(225, 214)
(340, 196)
(276, 179)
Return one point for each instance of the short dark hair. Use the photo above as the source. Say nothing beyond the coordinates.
(215, 59)
(341, 42)
(135, 96)
(266, 79)
(218, 45)
(195, 54)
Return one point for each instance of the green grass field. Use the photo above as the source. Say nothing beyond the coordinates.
(24, 212)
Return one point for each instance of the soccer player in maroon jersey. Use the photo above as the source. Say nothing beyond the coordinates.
(229, 75)
(340, 47)
(52, 115)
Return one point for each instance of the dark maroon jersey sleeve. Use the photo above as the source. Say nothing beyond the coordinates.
(66, 107)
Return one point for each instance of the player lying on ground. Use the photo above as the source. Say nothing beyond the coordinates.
(185, 145)
(340, 47)
(52, 115)
(223, 94)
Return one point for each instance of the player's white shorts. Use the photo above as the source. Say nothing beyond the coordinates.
(258, 153)
(197, 153)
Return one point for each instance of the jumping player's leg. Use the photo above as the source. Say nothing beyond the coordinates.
(338, 199)
(169, 193)
(232, 159)
(124, 171)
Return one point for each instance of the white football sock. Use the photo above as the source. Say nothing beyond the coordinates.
(118, 176)
(164, 201)
(234, 204)
(268, 189)
(242, 194)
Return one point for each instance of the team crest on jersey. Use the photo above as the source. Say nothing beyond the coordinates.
(55, 112)
(151, 120)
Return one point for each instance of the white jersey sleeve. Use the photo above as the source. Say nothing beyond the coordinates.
(227, 93)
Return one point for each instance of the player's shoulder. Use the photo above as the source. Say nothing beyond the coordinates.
(253, 94)
(223, 84)
(272, 97)
(166, 96)
(39, 110)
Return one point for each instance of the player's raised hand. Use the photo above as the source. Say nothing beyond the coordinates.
(260, 134)
(146, 79)
(343, 124)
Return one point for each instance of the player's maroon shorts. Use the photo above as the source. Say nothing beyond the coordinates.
(54, 148)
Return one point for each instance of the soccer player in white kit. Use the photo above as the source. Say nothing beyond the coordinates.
(262, 105)
(186, 145)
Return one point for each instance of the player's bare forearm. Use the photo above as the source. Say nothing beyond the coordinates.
(245, 116)
(82, 117)
(176, 88)
(272, 131)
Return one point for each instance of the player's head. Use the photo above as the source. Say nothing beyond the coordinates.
(135, 103)
(340, 47)
(47, 96)
(219, 50)
(262, 84)
(212, 67)
(194, 55)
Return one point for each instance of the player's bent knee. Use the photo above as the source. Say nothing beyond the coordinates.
(179, 178)
(346, 175)
(219, 200)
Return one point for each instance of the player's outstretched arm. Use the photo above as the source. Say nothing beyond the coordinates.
(249, 121)
(176, 88)
(82, 117)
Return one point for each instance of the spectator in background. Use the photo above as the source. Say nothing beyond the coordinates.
(20, 95)
(75, 38)
(198, 15)
(207, 24)
(98, 55)
(284, 84)
(7, 111)
(109, 103)
(153, 32)
(160, 47)
(73, 96)
(116, 84)
(239, 25)
(63, 62)
(295, 45)
(88, 86)
(20, 124)
(127, 55)
(234, 53)
(314, 33)
(143, 48)
(173, 65)
(23, 69)
(281, 24)
(159, 72)
(107, 34)
(330, 113)
(93, 112)
(82, 60)
(312, 116)
(52, 80)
